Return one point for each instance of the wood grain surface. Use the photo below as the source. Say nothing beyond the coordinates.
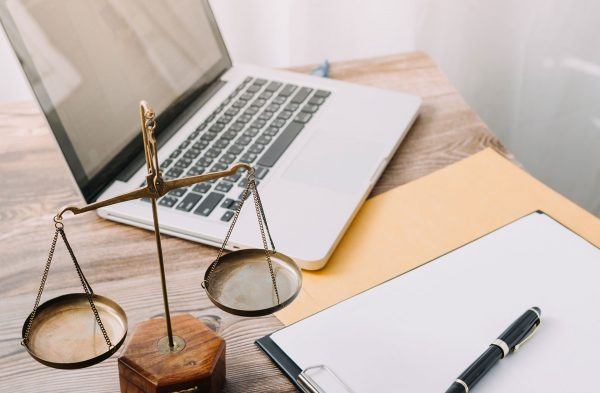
(120, 261)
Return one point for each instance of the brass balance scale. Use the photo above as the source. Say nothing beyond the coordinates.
(251, 282)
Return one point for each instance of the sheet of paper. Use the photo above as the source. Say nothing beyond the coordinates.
(418, 332)
(412, 224)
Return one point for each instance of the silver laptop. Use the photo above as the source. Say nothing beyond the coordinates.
(318, 145)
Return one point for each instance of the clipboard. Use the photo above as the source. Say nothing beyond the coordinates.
(388, 338)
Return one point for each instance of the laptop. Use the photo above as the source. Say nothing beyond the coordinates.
(318, 145)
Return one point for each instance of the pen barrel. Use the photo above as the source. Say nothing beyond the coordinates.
(520, 328)
(477, 369)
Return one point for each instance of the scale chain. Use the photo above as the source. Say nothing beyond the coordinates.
(42, 285)
(87, 288)
(261, 217)
(264, 239)
(84, 282)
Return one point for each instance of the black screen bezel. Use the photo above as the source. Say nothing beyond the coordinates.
(91, 187)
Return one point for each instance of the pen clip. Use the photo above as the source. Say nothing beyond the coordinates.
(535, 328)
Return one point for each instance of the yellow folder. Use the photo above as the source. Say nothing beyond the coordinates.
(412, 224)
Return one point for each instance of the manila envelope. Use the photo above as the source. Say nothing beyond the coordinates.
(412, 224)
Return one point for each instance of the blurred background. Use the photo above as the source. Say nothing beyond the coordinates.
(530, 69)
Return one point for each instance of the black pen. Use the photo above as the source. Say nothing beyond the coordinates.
(509, 341)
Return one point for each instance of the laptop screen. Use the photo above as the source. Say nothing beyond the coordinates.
(90, 62)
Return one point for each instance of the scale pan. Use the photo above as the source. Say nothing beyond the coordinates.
(241, 282)
(65, 334)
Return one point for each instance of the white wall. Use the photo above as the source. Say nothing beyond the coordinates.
(530, 69)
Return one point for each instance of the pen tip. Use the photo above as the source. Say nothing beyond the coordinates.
(537, 309)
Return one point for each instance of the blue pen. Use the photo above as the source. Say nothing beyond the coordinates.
(321, 70)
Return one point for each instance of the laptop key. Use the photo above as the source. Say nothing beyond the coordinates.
(273, 86)
(213, 152)
(223, 186)
(235, 149)
(284, 115)
(175, 153)
(188, 203)
(227, 216)
(322, 93)
(291, 107)
(232, 111)
(310, 108)
(261, 172)
(287, 90)
(209, 203)
(301, 95)
(253, 88)
(251, 111)
(271, 131)
(195, 171)
(243, 140)
(224, 119)
(256, 148)
(227, 158)
(222, 143)
(258, 123)
(259, 102)
(227, 203)
(183, 162)
(236, 126)
(303, 117)
(201, 188)
(218, 167)
(167, 201)
(247, 96)
(277, 123)
(208, 136)
(184, 144)
(265, 115)
(265, 95)
(264, 139)
(174, 172)
(260, 81)
(178, 192)
(279, 100)
(244, 118)
(229, 134)
(217, 127)
(240, 103)
(280, 145)
(200, 145)
(166, 163)
(248, 158)
(251, 132)
(204, 161)
(316, 100)
(192, 153)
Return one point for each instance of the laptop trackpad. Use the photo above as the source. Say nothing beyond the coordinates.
(337, 162)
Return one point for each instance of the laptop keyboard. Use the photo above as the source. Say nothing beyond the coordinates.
(255, 125)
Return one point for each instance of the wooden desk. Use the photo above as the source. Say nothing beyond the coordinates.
(120, 261)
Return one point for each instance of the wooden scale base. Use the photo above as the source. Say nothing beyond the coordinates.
(197, 363)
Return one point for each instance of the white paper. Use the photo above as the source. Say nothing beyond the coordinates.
(418, 332)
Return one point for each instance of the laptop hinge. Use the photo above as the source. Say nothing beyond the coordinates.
(172, 128)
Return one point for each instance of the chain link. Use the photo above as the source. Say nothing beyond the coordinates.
(260, 213)
(84, 282)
